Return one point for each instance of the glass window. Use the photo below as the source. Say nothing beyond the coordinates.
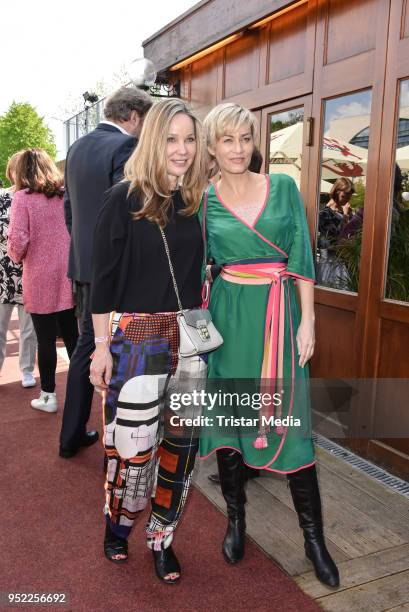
(344, 154)
(397, 278)
(285, 143)
(403, 126)
(361, 139)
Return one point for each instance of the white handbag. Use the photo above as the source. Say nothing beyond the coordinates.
(197, 331)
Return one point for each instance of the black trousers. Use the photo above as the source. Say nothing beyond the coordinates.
(79, 393)
(47, 327)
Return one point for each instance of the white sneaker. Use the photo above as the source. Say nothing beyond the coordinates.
(46, 402)
(28, 380)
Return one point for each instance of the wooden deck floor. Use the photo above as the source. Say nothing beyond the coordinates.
(366, 527)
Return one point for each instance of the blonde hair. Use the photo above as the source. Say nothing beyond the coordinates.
(11, 166)
(36, 171)
(146, 169)
(225, 116)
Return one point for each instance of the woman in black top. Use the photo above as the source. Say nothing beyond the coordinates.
(330, 271)
(336, 213)
(134, 307)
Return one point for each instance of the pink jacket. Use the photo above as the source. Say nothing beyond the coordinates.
(38, 238)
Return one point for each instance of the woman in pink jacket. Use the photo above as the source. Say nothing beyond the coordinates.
(39, 239)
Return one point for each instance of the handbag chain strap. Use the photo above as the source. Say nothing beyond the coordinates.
(172, 273)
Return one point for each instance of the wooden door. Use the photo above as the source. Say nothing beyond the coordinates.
(361, 335)
(293, 115)
(386, 355)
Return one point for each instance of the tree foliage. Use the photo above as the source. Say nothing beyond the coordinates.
(21, 128)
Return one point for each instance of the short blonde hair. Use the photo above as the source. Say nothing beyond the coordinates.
(146, 169)
(225, 116)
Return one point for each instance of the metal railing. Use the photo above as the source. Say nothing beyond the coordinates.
(83, 122)
(87, 120)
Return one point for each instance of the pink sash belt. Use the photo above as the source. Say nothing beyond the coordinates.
(272, 274)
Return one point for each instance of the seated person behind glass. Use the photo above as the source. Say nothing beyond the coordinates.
(336, 213)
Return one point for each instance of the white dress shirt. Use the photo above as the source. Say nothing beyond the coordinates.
(121, 129)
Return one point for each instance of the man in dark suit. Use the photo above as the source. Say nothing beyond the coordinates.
(94, 163)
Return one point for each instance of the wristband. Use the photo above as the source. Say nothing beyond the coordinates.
(101, 339)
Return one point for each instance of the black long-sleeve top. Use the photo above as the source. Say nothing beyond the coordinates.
(130, 270)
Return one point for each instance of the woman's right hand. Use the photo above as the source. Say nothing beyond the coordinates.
(101, 368)
(347, 210)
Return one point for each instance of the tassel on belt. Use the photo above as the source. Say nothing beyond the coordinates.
(272, 274)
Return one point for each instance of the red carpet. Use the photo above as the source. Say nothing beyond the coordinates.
(52, 530)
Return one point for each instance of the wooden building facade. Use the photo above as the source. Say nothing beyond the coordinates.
(329, 82)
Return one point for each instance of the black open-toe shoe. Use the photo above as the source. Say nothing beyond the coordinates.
(114, 546)
(166, 563)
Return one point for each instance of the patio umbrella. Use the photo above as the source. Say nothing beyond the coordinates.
(287, 142)
(342, 159)
(402, 158)
(339, 158)
(294, 170)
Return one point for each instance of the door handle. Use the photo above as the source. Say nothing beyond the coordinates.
(309, 132)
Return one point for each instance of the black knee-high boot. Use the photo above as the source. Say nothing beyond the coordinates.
(307, 502)
(232, 477)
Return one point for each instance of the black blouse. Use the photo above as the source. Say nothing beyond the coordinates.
(130, 270)
(330, 223)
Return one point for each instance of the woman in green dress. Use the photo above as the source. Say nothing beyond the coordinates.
(256, 230)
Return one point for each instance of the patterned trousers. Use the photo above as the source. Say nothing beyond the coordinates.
(146, 458)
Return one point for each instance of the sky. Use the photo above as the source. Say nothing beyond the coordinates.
(54, 51)
(352, 105)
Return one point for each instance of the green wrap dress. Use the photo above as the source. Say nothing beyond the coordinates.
(254, 305)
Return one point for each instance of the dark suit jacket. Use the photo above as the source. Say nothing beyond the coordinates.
(94, 163)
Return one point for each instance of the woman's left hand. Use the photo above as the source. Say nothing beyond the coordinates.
(305, 342)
